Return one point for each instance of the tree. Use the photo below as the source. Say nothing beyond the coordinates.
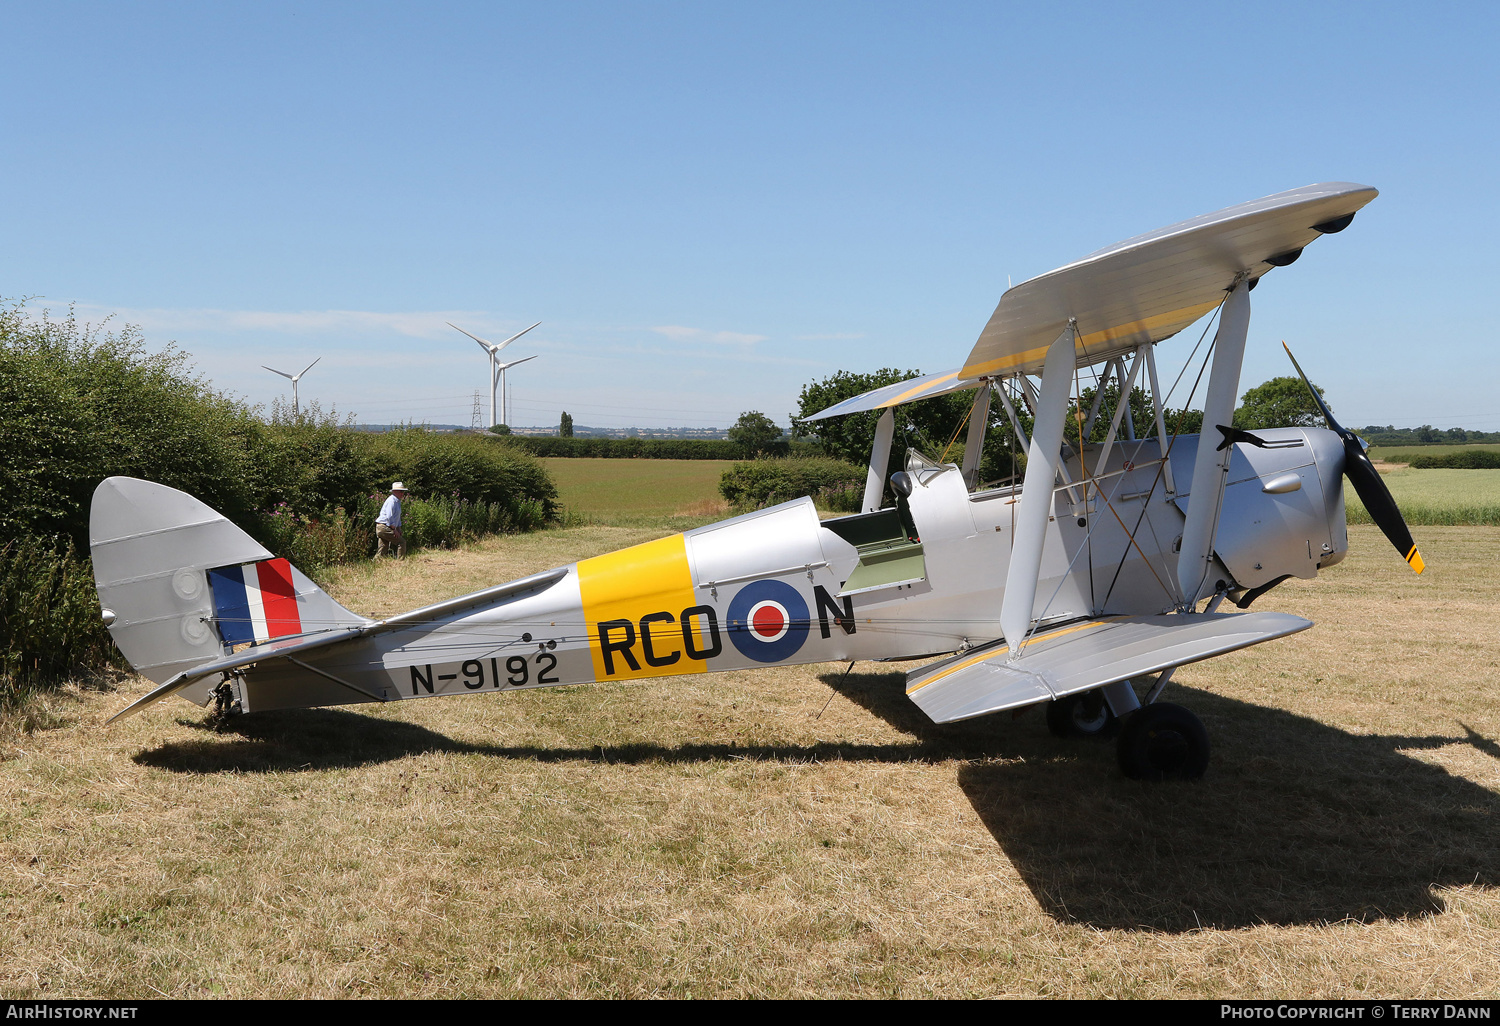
(1280, 402)
(1182, 422)
(927, 425)
(500, 429)
(565, 427)
(756, 432)
(1142, 412)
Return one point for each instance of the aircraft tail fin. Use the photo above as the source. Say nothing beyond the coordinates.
(181, 585)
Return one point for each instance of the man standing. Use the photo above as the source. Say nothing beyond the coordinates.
(388, 524)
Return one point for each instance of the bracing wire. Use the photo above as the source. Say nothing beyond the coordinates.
(1176, 430)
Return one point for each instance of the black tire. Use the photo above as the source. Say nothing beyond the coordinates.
(1163, 742)
(1082, 715)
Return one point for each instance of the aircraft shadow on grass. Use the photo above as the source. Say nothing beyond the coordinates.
(314, 739)
(1296, 822)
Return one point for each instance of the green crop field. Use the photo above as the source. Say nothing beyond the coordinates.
(629, 492)
(1404, 453)
(1438, 497)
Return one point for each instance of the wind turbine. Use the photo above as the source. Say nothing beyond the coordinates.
(497, 369)
(294, 378)
(504, 401)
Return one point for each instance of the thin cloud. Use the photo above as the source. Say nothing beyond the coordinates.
(757, 359)
(680, 333)
(411, 324)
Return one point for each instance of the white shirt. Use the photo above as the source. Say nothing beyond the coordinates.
(390, 513)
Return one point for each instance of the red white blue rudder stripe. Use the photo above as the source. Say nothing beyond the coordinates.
(255, 602)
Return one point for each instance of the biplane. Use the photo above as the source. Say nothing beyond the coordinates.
(1080, 587)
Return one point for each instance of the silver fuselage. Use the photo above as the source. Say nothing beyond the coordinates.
(768, 587)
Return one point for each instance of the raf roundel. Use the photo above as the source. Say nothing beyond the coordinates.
(768, 621)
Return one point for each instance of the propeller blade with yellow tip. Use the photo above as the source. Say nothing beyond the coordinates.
(1366, 480)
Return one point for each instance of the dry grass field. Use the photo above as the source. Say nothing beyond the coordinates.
(717, 836)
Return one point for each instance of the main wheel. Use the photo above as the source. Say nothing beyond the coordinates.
(1163, 742)
(1082, 715)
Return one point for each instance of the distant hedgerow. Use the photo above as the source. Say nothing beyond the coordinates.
(1463, 459)
(649, 448)
(832, 484)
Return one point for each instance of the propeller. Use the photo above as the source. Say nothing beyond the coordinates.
(1366, 480)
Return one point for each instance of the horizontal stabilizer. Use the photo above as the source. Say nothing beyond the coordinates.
(282, 648)
(1083, 656)
(279, 648)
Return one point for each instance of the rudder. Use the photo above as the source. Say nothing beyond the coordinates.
(153, 549)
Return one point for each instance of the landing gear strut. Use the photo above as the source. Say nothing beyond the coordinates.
(226, 705)
(1082, 715)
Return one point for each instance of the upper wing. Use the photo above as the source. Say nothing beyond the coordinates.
(1144, 289)
(1083, 656)
(1150, 287)
(908, 391)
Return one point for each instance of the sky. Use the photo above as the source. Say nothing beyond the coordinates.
(709, 205)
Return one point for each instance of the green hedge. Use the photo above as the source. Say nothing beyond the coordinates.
(316, 470)
(50, 627)
(314, 541)
(447, 522)
(80, 405)
(1463, 459)
(833, 484)
(458, 466)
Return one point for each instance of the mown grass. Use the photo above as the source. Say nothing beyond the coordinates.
(1438, 497)
(639, 492)
(728, 835)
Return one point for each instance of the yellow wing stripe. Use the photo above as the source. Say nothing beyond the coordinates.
(1177, 319)
(1414, 560)
(923, 387)
(990, 653)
